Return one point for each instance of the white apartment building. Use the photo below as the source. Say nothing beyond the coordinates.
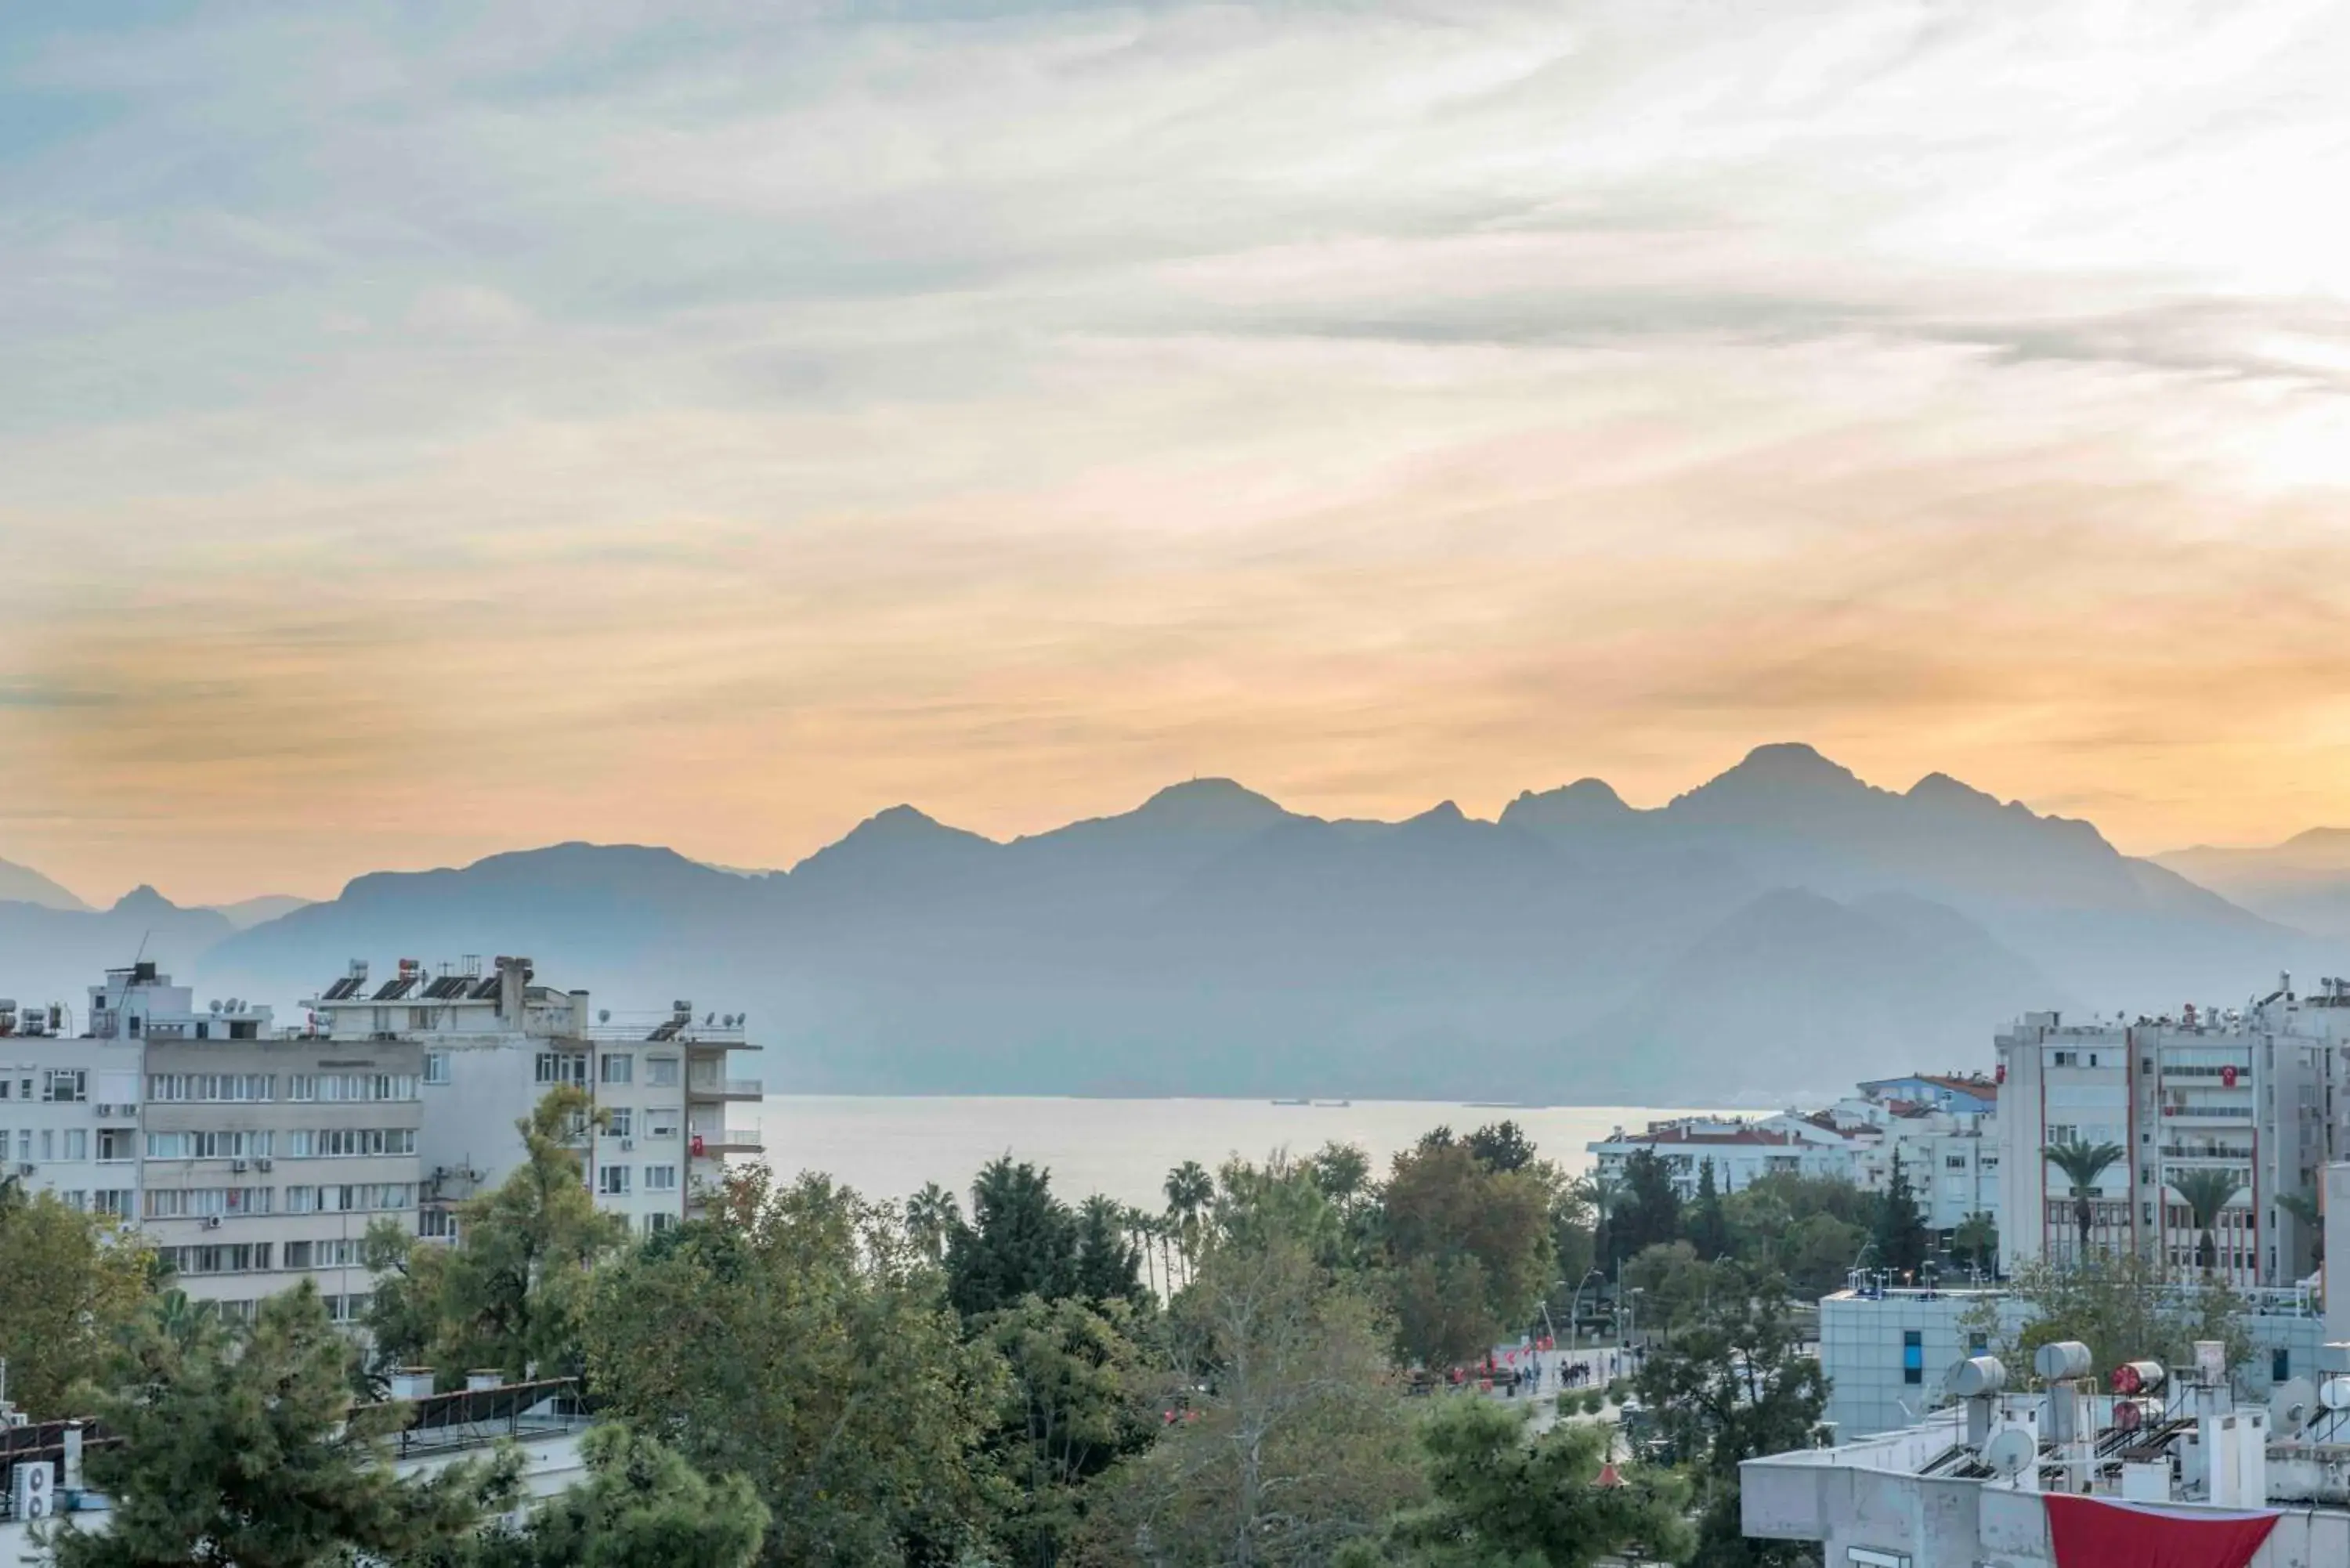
(69, 1110)
(490, 1046)
(2248, 1091)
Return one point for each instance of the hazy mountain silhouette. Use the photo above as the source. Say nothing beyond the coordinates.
(246, 913)
(23, 885)
(51, 955)
(2304, 881)
(1783, 927)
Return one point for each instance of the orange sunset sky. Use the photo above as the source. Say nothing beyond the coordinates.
(425, 435)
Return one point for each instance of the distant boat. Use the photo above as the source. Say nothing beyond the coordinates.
(1292, 1102)
(1334, 1105)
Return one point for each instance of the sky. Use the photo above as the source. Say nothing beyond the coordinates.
(429, 430)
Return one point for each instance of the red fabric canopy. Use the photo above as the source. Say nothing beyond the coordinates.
(2099, 1532)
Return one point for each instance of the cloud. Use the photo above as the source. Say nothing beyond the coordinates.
(430, 433)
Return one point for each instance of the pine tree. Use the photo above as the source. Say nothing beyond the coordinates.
(1709, 1227)
(1901, 1244)
(641, 1506)
(243, 1446)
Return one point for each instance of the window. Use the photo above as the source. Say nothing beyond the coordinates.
(612, 1180)
(351, 1143)
(297, 1254)
(113, 1201)
(622, 1122)
(657, 1221)
(1954, 1162)
(76, 1143)
(64, 1084)
(436, 1066)
(660, 1124)
(237, 1088)
(48, 1145)
(2063, 1132)
(660, 1179)
(2064, 1059)
(2280, 1364)
(618, 1067)
(662, 1072)
(1913, 1356)
(25, 1144)
(1978, 1341)
(437, 1224)
(561, 1068)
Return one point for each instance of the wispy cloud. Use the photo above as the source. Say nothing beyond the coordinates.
(427, 432)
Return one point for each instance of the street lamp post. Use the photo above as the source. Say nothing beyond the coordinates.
(1575, 1306)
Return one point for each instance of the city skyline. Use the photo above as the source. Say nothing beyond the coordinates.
(433, 439)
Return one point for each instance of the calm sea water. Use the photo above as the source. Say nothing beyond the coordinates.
(887, 1146)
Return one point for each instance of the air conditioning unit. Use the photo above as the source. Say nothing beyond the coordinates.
(212, 1221)
(265, 1164)
(238, 1165)
(104, 1110)
(627, 1144)
(25, 1168)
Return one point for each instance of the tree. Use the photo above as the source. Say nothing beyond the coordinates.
(2206, 1191)
(1734, 1387)
(798, 1338)
(1501, 1500)
(932, 1217)
(1108, 1266)
(1976, 1240)
(511, 1293)
(641, 1506)
(1290, 1440)
(2083, 1164)
(1076, 1398)
(69, 1283)
(1709, 1226)
(2303, 1207)
(1650, 1213)
(1190, 1189)
(1471, 1249)
(1604, 1193)
(1502, 1147)
(1900, 1228)
(2122, 1308)
(245, 1448)
(1343, 1172)
(1022, 1241)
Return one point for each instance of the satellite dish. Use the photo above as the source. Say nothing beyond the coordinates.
(708, 1020)
(2292, 1407)
(2334, 1393)
(604, 1015)
(2011, 1451)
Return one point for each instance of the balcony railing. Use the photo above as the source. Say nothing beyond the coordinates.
(727, 1140)
(711, 1085)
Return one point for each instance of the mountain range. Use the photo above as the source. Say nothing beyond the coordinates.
(1778, 931)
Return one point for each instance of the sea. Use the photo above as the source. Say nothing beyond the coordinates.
(887, 1146)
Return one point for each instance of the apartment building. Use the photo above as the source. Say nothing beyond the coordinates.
(263, 1155)
(491, 1044)
(69, 1110)
(2247, 1091)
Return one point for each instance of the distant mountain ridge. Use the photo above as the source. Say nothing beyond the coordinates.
(1785, 925)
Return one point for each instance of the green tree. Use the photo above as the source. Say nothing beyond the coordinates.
(798, 1338)
(1976, 1240)
(2083, 1164)
(1076, 1396)
(1022, 1241)
(2303, 1206)
(1343, 1172)
(1190, 1190)
(1709, 1226)
(641, 1506)
(1734, 1387)
(1900, 1228)
(932, 1217)
(1816, 1253)
(70, 1283)
(1650, 1213)
(1501, 1500)
(1471, 1249)
(243, 1448)
(2206, 1191)
(1290, 1440)
(1502, 1147)
(1107, 1266)
(2122, 1308)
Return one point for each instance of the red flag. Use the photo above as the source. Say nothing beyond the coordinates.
(2101, 1532)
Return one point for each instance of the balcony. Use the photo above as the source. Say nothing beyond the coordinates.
(709, 1087)
(717, 1141)
(2234, 1154)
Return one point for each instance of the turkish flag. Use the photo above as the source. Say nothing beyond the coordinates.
(2099, 1533)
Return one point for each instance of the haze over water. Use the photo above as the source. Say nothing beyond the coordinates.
(887, 1146)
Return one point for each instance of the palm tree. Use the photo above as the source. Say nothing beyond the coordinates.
(2082, 1164)
(1139, 1229)
(1604, 1190)
(1977, 1240)
(932, 1216)
(1190, 1189)
(2206, 1191)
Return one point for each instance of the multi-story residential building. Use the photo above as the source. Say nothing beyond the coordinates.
(69, 1110)
(264, 1155)
(491, 1045)
(2245, 1091)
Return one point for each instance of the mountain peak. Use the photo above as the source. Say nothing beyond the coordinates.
(1444, 813)
(1586, 801)
(144, 899)
(1777, 775)
(1939, 788)
(1791, 762)
(23, 885)
(1209, 802)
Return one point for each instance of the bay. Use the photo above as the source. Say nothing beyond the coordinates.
(887, 1146)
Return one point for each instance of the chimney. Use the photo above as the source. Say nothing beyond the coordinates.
(513, 973)
(411, 1383)
(579, 1015)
